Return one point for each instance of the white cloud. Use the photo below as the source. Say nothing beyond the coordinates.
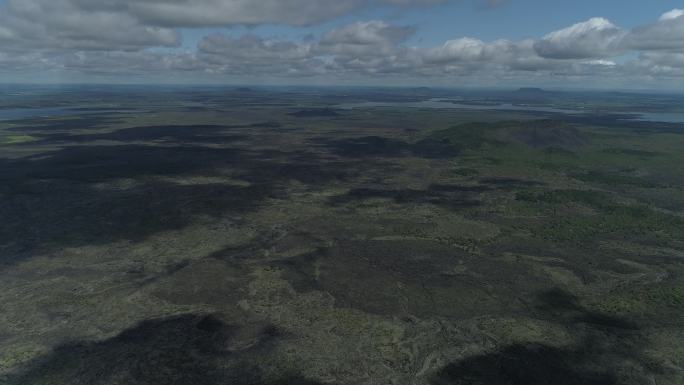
(204, 13)
(462, 49)
(666, 34)
(364, 38)
(251, 47)
(115, 37)
(136, 24)
(59, 24)
(601, 62)
(671, 62)
(671, 15)
(594, 38)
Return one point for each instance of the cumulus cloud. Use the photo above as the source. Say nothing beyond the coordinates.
(206, 13)
(252, 48)
(253, 55)
(378, 48)
(364, 38)
(671, 15)
(136, 24)
(60, 24)
(666, 34)
(458, 50)
(203, 13)
(594, 38)
(658, 64)
(476, 55)
(122, 37)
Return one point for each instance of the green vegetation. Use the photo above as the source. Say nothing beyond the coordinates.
(623, 222)
(271, 238)
(609, 219)
(15, 139)
(595, 199)
(613, 179)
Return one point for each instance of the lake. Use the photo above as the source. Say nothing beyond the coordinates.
(665, 117)
(47, 112)
(25, 113)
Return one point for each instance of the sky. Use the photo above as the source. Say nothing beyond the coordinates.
(611, 44)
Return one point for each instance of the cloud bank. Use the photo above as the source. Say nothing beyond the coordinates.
(127, 39)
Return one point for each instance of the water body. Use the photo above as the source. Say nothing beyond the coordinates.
(673, 117)
(27, 113)
(441, 103)
(663, 117)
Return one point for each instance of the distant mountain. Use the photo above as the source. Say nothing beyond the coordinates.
(532, 90)
(532, 95)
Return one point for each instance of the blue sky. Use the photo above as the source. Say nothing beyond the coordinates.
(605, 43)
